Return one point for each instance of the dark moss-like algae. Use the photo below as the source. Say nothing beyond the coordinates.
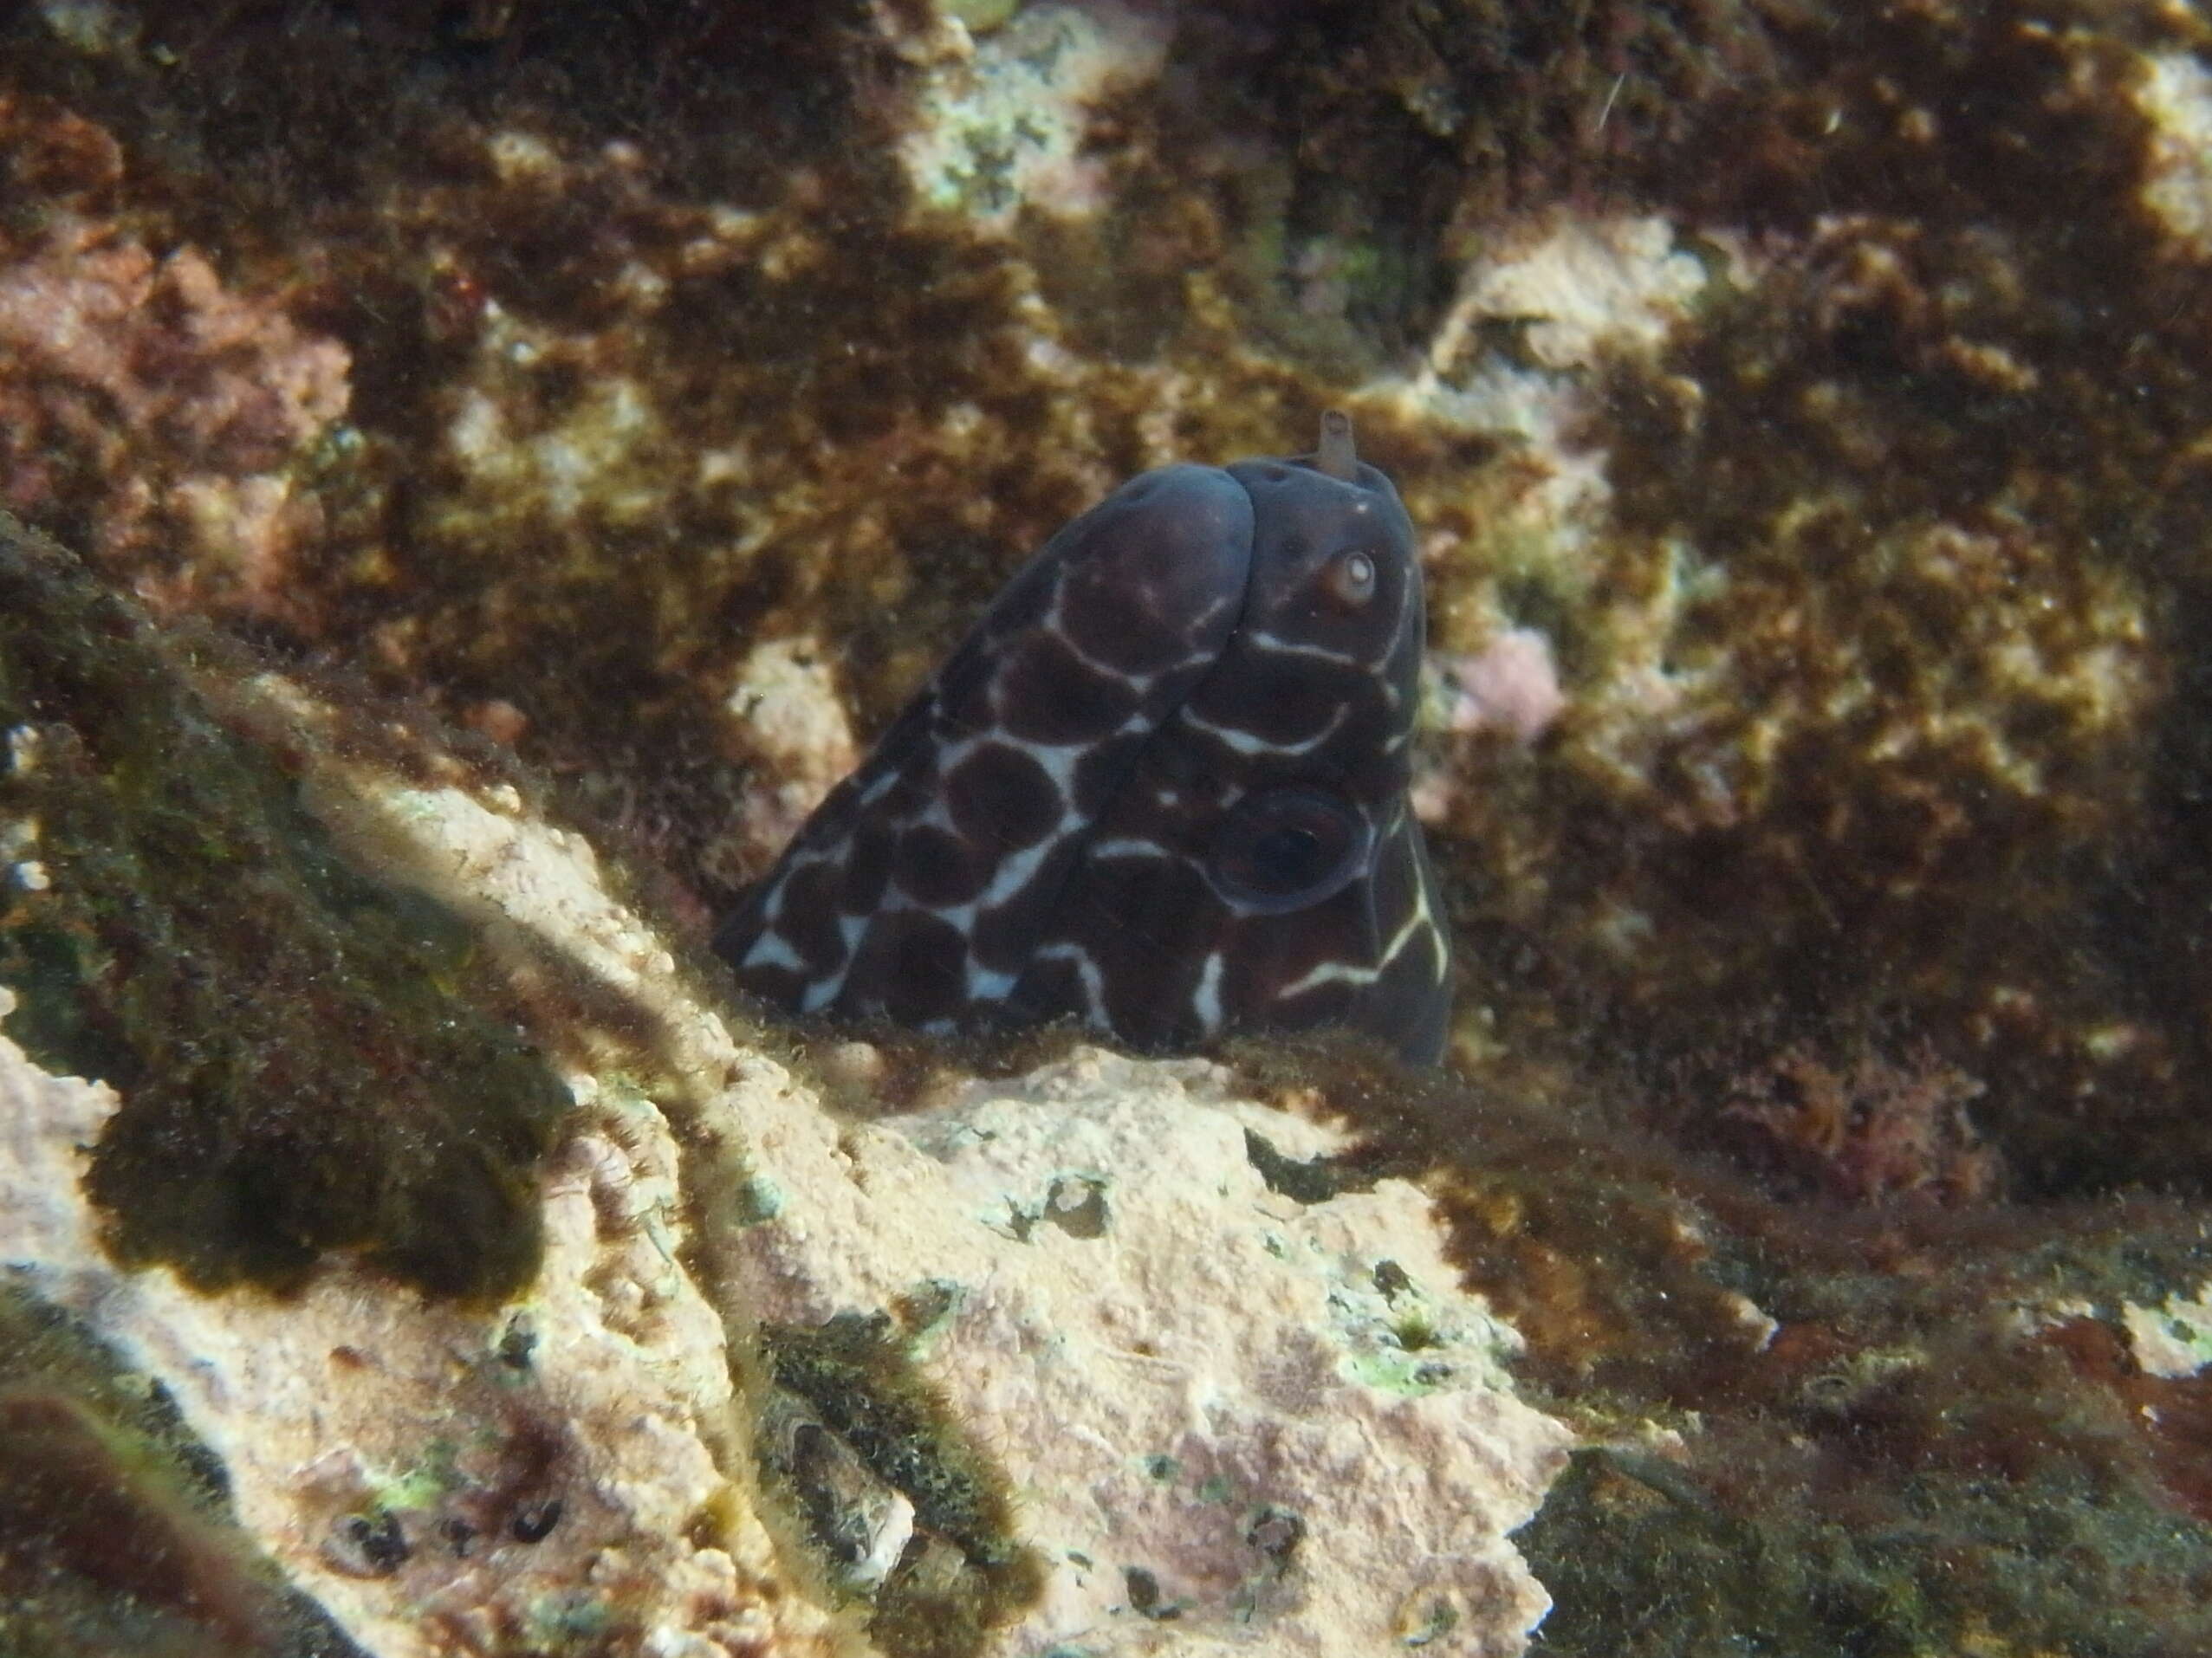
(299, 1073)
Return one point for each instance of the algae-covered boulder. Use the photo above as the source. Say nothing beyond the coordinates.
(1804, 411)
(1066, 1356)
(300, 1075)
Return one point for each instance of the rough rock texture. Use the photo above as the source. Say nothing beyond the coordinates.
(155, 415)
(1269, 1420)
(1801, 408)
(1109, 1358)
(1805, 407)
(304, 1069)
(2174, 1339)
(1207, 1322)
(1221, 1413)
(446, 1481)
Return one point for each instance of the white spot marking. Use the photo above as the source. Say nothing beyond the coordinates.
(1244, 742)
(1086, 970)
(1418, 925)
(772, 949)
(1205, 1001)
(1128, 846)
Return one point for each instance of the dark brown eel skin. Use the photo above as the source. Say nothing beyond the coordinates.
(1160, 789)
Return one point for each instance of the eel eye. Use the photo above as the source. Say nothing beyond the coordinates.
(1350, 578)
(1285, 849)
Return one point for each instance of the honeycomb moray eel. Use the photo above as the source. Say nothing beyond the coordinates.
(1160, 788)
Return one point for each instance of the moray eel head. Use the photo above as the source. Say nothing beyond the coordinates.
(1161, 788)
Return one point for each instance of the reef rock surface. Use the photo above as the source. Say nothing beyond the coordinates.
(1050, 1360)
(1805, 409)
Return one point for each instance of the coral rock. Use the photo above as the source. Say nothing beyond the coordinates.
(1269, 1417)
(141, 395)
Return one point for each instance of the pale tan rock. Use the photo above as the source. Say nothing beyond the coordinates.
(1001, 124)
(2175, 96)
(786, 713)
(1281, 1422)
(355, 1422)
(2174, 1340)
(1190, 1376)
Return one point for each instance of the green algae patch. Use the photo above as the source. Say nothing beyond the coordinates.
(852, 1435)
(116, 1533)
(299, 1072)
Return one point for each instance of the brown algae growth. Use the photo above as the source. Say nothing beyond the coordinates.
(115, 1528)
(1892, 1426)
(299, 1070)
(855, 1438)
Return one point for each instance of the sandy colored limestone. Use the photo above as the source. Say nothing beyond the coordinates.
(1273, 1420)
